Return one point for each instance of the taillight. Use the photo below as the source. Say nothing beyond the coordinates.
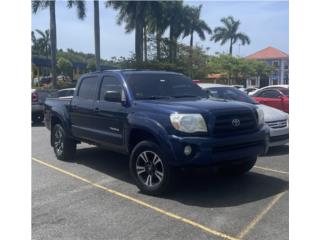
(34, 97)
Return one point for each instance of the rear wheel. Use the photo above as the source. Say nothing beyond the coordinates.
(64, 147)
(239, 168)
(150, 168)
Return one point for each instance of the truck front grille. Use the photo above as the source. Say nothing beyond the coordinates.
(277, 124)
(227, 124)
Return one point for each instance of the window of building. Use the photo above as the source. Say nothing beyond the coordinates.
(276, 63)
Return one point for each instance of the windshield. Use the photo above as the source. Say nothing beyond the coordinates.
(162, 85)
(230, 93)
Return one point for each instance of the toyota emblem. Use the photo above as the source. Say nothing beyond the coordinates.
(236, 122)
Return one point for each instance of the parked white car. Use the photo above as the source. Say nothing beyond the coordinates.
(278, 121)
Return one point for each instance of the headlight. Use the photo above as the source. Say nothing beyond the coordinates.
(189, 123)
(260, 116)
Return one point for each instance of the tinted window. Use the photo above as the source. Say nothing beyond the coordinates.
(270, 94)
(88, 88)
(285, 91)
(230, 93)
(162, 85)
(109, 84)
(66, 93)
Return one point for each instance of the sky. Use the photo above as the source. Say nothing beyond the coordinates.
(265, 22)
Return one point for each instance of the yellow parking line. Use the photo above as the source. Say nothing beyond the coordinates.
(271, 170)
(257, 219)
(147, 205)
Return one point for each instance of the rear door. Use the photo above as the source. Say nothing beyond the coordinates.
(110, 117)
(82, 108)
(270, 97)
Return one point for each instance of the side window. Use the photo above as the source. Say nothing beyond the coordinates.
(109, 83)
(62, 94)
(270, 94)
(88, 88)
(230, 95)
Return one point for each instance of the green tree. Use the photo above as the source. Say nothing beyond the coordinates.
(236, 68)
(44, 42)
(35, 44)
(65, 66)
(43, 4)
(133, 14)
(195, 25)
(91, 65)
(176, 16)
(229, 32)
(158, 22)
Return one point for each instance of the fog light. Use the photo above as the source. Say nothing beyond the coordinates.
(187, 150)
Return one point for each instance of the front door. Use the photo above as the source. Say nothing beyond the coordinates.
(110, 116)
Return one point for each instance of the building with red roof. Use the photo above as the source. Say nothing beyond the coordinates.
(279, 60)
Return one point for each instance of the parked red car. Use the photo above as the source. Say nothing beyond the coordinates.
(277, 97)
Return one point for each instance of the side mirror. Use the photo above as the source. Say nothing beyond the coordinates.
(113, 96)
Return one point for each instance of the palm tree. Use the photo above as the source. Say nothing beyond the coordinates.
(158, 23)
(35, 44)
(43, 4)
(133, 14)
(229, 32)
(195, 25)
(44, 42)
(176, 15)
(97, 34)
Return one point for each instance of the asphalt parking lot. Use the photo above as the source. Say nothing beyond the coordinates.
(94, 197)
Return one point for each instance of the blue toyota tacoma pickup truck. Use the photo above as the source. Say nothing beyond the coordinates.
(161, 119)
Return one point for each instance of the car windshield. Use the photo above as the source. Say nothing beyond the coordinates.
(163, 86)
(230, 93)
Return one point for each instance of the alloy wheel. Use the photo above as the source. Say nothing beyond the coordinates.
(58, 141)
(149, 168)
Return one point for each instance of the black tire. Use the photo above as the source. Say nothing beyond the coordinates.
(64, 147)
(37, 118)
(239, 168)
(161, 172)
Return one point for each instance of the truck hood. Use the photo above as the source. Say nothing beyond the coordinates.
(272, 114)
(192, 105)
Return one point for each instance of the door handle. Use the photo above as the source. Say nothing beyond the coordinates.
(97, 109)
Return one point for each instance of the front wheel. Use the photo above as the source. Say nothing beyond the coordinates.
(64, 147)
(150, 168)
(239, 168)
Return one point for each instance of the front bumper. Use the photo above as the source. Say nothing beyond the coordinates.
(279, 136)
(215, 151)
